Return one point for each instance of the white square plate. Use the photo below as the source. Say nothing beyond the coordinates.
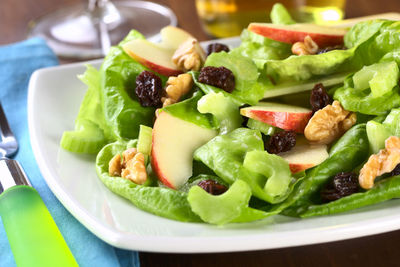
(54, 98)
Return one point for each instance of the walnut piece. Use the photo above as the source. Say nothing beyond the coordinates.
(189, 55)
(329, 123)
(383, 162)
(177, 87)
(131, 166)
(307, 47)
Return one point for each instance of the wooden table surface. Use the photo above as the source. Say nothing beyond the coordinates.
(377, 250)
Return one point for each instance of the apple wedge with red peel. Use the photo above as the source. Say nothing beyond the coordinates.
(290, 118)
(153, 56)
(305, 156)
(322, 35)
(174, 142)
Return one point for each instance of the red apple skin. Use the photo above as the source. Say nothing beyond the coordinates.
(157, 170)
(155, 67)
(291, 36)
(285, 120)
(298, 167)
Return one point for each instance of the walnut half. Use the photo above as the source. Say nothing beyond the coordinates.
(177, 87)
(189, 55)
(131, 166)
(383, 162)
(329, 123)
(308, 47)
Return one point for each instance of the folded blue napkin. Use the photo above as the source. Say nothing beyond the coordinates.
(17, 62)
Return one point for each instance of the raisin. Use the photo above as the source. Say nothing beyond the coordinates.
(212, 187)
(216, 47)
(149, 89)
(319, 97)
(219, 77)
(395, 171)
(342, 185)
(331, 48)
(281, 142)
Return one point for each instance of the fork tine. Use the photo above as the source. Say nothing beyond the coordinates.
(5, 130)
(8, 142)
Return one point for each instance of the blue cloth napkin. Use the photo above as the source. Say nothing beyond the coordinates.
(17, 62)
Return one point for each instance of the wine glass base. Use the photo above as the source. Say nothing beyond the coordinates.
(71, 34)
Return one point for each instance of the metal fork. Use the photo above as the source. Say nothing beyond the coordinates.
(24, 215)
(8, 142)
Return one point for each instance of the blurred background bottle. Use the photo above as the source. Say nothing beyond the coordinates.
(224, 18)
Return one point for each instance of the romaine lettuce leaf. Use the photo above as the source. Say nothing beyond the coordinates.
(247, 87)
(122, 111)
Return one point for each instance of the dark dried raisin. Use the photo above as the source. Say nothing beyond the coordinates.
(330, 48)
(342, 185)
(319, 97)
(212, 187)
(149, 89)
(219, 77)
(216, 47)
(281, 142)
(396, 171)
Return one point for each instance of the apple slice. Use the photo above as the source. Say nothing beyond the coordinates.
(172, 37)
(174, 142)
(158, 57)
(153, 56)
(322, 35)
(304, 156)
(290, 118)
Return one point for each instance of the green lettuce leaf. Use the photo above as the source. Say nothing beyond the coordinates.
(91, 131)
(247, 87)
(280, 15)
(122, 111)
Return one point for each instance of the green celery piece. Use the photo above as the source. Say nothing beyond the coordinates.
(382, 191)
(287, 88)
(144, 140)
(187, 111)
(380, 77)
(392, 122)
(223, 108)
(364, 102)
(91, 131)
(122, 111)
(246, 75)
(87, 138)
(263, 127)
(280, 15)
(377, 134)
(223, 208)
(275, 168)
(161, 201)
(225, 155)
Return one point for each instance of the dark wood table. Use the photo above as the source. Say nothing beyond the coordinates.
(377, 250)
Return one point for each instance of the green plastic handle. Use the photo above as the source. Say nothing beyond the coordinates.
(33, 235)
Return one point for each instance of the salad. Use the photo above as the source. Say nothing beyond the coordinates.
(299, 120)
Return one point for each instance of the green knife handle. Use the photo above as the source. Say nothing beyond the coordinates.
(33, 235)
